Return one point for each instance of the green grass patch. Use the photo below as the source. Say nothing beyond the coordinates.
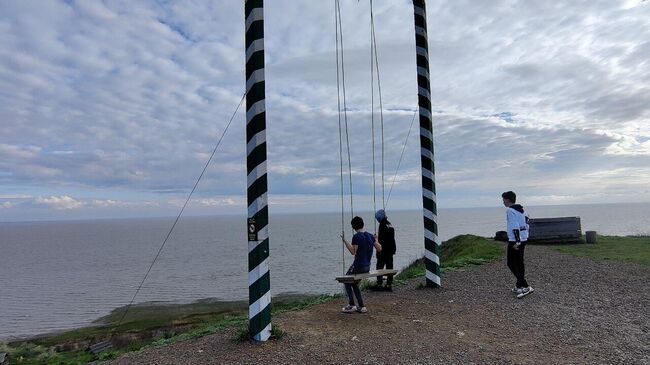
(32, 354)
(414, 270)
(456, 253)
(630, 249)
(244, 335)
(292, 305)
(467, 249)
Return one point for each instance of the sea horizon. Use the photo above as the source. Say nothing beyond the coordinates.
(285, 213)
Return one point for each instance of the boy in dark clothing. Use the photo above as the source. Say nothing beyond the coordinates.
(386, 238)
(517, 228)
(361, 247)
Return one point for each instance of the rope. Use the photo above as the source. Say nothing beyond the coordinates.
(178, 216)
(401, 155)
(340, 86)
(381, 105)
(345, 108)
(338, 96)
(372, 116)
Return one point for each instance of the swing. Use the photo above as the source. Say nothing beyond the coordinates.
(340, 83)
(351, 279)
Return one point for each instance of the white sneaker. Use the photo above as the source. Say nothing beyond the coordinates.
(362, 310)
(517, 290)
(525, 291)
(349, 309)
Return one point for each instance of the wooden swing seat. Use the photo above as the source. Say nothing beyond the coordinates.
(351, 279)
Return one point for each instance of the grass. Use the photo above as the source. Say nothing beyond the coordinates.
(30, 353)
(244, 334)
(456, 253)
(159, 325)
(467, 249)
(630, 249)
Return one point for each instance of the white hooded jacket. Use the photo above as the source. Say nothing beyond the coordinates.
(517, 218)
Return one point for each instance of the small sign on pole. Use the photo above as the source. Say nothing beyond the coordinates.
(252, 230)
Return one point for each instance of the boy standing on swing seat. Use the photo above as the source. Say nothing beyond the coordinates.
(361, 247)
(386, 238)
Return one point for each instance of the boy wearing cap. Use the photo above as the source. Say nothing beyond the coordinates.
(386, 238)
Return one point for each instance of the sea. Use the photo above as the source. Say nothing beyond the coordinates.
(65, 274)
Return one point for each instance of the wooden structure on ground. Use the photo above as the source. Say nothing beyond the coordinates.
(100, 346)
(350, 279)
(555, 230)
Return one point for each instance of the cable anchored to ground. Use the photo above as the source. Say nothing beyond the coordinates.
(205, 167)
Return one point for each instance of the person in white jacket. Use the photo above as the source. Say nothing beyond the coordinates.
(517, 228)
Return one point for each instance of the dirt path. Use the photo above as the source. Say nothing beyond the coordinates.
(582, 312)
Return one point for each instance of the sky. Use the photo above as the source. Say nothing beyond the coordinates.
(111, 108)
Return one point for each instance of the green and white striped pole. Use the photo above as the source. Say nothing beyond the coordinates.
(259, 283)
(431, 240)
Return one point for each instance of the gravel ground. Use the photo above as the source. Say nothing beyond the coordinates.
(582, 312)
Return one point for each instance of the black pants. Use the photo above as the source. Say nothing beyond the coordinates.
(387, 262)
(516, 263)
(349, 288)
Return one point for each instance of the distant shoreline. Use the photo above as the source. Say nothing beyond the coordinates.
(242, 215)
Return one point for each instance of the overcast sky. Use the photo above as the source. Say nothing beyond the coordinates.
(111, 108)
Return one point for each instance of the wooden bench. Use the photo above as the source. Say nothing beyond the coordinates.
(555, 230)
(100, 346)
(351, 279)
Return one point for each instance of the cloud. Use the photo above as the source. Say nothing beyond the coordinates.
(14, 196)
(318, 181)
(111, 203)
(218, 202)
(60, 202)
(113, 100)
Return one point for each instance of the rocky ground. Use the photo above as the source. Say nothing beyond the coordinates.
(582, 312)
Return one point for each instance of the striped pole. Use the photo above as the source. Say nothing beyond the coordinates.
(259, 283)
(431, 240)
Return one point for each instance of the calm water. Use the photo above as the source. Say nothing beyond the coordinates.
(59, 275)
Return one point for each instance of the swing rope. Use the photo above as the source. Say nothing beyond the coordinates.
(345, 109)
(340, 87)
(343, 119)
(372, 119)
(381, 105)
(338, 97)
